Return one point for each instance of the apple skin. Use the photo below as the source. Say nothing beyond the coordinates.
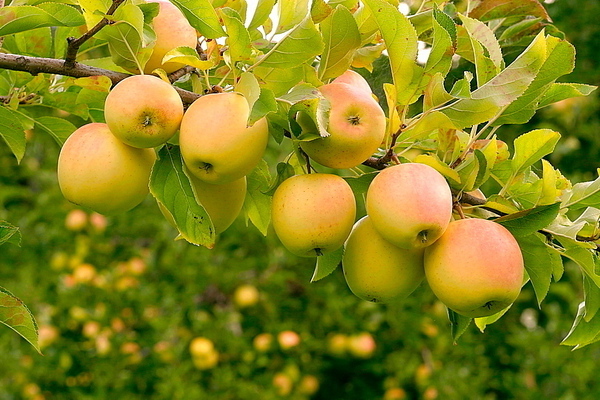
(410, 205)
(143, 111)
(313, 214)
(216, 144)
(355, 79)
(476, 268)
(377, 271)
(356, 126)
(223, 203)
(172, 30)
(98, 171)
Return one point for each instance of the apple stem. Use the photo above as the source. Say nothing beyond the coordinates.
(318, 252)
(458, 208)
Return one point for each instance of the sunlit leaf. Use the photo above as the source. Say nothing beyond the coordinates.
(341, 38)
(562, 91)
(291, 13)
(239, 47)
(15, 314)
(527, 222)
(11, 130)
(59, 128)
(258, 204)
(261, 14)
(530, 147)
(494, 9)
(188, 56)
(15, 19)
(202, 16)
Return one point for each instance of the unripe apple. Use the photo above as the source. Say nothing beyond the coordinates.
(410, 205)
(356, 127)
(337, 344)
(172, 30)
(263, 342)
(201, 346)
(313, 214)
(362, 345)
(98, 171)
(309, 385)
(216, 144)
(354, 79)
(475, 268)
(376, 270)
(143, 111)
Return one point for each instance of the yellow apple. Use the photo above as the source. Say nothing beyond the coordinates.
(216, 144)
(475, 268)
(172, 30)
(98, 171)
(313, 214)
(356, 126)
(246, 296)
(375, 269)
(410, 205)
(143, 111)
(354, 79)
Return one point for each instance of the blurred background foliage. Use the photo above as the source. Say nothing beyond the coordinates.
(127, 312)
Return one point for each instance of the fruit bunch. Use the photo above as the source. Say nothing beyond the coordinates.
(474, 266)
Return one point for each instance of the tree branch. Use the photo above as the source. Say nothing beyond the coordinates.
(37, 65)
(75, 43)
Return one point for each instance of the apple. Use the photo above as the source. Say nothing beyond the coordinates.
(216, 144)
(288, 339)
(223, 203)
(337, 344)
(475, 268)
(98, 171)
(283, 384)
(246, 296)
(263, 342)
(410, 205)
(143, 111)
(309, 385)
(362, 345)
(172, 30)
(502, 152)
(376, 270)
(354, 79)
(356, 126)
(313, 214)
(76, 220)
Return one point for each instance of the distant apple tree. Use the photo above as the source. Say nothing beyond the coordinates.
(448, 77)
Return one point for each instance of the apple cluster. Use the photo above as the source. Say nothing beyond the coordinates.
(106, 166)
(409, 234)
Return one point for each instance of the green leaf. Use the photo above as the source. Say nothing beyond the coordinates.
(202, 16)
(483, 322)
(458, 324)
(261, 14)
(494, 9)
(530, 147)
(540, 263)
(583, 332)
(258, 204)
(434, 161)
(527, 222)
(327, 263)
(583, 194)
(126, 38)
(300, 45)
(9, 233)
(488, 100)
(15, 314)
(360, 184)
(442, 50)
(188, 56)
(562, 91)
(591, 294)
(582, 255)
(239, 46)
(11, 130)
(291, 13)
(284, 171)
(560, 61)
(425, 126)
(172, 188)
(400, 38)
(15, 19)
(435, 93)
(342, 38)
(263, 106)
(484, 49)
(60, 129)
(279, 80)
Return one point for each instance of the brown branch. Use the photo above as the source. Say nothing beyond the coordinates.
(75, 43)
(38, 65)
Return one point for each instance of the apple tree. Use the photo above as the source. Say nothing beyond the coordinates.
(435, 86)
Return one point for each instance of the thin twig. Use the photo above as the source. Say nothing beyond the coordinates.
(75, 43)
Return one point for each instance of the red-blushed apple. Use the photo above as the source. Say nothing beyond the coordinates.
(98, 171)
(476, 268)
(288, 339)
(172, 30)
(313, 214)
(376, 270)
(143, 111)
(216, 143)
(410, 205)
(356, 126)
(354, 79)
